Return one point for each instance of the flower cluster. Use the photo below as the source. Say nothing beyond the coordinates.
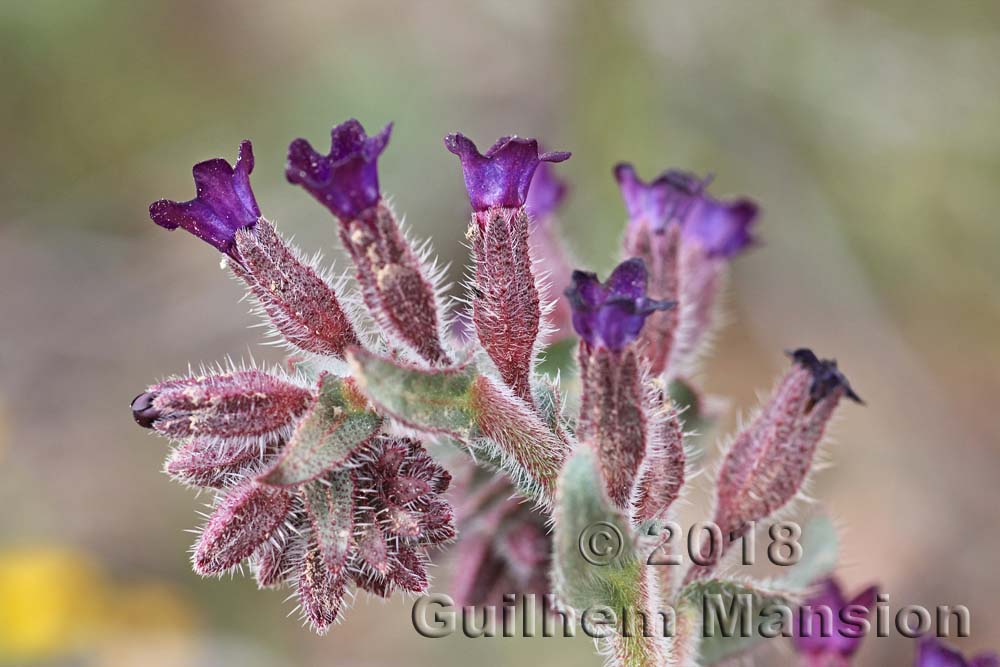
(369, 520)
(321, 473)
(686, 238)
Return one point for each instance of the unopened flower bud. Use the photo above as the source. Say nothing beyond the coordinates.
(244, 405)
(143, 412)
(770, 460)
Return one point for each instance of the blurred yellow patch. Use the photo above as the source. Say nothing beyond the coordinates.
(57, 602)
(51, 601)
(3, 427)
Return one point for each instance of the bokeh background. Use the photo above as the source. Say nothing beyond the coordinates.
(868, 131)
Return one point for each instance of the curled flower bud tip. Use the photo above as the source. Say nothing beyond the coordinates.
(826, 376)
(143, 411)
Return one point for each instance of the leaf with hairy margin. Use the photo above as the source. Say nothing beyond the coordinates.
(819, 556)
(436, 401)
(336, 426)
(460, 403)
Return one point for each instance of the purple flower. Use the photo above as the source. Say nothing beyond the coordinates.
(612, 313)
(224, 205)
(826, 376)
(545, 194)
(723, 228)
(346, 179)
(502, 176)
(828, 623)
(932, 653)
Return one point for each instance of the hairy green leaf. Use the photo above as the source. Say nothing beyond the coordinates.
(337, 424)
(436, 401)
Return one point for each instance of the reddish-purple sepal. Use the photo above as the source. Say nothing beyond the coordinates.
(301, 305)
(279, 557)
(506, 309)
(213, 463)
(243, 519)
(395, 284)
(320, 590)
(614, 416)
(769, 461)
(663, 471)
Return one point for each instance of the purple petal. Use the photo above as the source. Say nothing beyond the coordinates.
(224, 203)
(723, 228)
(932, 653)
(585, 294)
(842, 637)
(346, 179)
(545, 194)
(502, 176)
(614, 312)
(619, 323)
(865, 598)
(660, 201)
(985, 660)
(828, 593)
(628, 280)
(588, 287)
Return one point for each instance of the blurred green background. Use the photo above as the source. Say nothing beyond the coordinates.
(868, 131)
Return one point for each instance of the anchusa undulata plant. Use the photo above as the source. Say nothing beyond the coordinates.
(323, 471)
